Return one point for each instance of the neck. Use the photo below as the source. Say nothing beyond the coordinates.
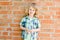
(31, 16)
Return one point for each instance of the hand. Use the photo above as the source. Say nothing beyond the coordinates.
(29, 31)
(33, 30)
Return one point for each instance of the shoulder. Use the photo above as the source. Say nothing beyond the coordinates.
(36, 18)
(24, 18)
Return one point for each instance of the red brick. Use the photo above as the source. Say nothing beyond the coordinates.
(2, 17)
(17, 38)
(48, 13)
(2, 37)
(16, 29)
(57, 31)
(57, 0)
(54, 8)
(2, 7)
(14, 25)
(55, 38)
(5, 20)
(47, 21)
(46, 38)
(47, 30)
(44, 35)
(18, 12)
(47, 17)
(5, 3)
(44, 9)
(46, 26)
(3, 24)
(58, 13)
(3, 12)
(49, 4)
(5, 33)
(9, 29)
(9, 7)
(56, 17)
(15, 33)
(56, 35)
(4, 0)
(1, 28)
(7, 37)
(17, 21)
(40, 17)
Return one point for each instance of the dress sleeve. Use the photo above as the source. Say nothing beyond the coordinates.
(23, 21)
(39, 24)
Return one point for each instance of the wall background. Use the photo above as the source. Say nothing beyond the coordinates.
(11, 12)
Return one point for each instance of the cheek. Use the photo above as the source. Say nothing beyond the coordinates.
(33, 11)
(30, 11)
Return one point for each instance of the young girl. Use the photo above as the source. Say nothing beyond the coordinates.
(30, 25)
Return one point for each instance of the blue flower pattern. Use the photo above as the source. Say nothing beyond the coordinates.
(30, 24)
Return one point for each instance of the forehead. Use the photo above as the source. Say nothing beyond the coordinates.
(31, 8)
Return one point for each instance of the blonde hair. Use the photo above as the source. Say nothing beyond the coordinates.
(27, 11)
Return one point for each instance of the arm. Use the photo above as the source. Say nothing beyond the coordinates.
(36, 30)
(29, 31)
(22, 25)
(23, 28)
(39, 27)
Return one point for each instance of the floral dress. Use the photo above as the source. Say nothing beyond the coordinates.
(30, 23)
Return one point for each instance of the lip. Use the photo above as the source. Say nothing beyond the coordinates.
(30, 12)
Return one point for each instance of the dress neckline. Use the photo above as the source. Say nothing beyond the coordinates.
(30, 18)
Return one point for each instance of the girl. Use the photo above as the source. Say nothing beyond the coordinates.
(30, 25)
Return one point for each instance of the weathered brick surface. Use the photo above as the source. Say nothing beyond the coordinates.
(11, 12)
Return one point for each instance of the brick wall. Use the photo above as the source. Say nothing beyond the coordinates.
(11, 12)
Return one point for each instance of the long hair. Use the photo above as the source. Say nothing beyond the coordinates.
(27, 11)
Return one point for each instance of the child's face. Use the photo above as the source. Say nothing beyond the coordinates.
(31, 11)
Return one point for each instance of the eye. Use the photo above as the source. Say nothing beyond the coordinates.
(30, 9)
(33, 10)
